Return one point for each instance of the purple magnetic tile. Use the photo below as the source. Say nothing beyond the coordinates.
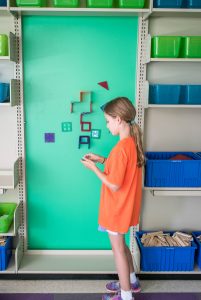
(26, 296)
(49, 137)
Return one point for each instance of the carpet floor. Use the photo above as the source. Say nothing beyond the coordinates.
(141, 296)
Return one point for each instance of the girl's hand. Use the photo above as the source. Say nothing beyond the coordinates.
(93, 157)
(89, 164)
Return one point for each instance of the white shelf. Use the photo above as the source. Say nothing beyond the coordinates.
(172, 106)
(9, 177)
(50, 11)
(4, 12)
(64, 264)
(175, 59)
(171, 12)
(184, 192)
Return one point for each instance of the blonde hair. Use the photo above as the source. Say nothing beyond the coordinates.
(124, 108)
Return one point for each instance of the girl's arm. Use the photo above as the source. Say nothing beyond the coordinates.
(92, 166)
(95, 158)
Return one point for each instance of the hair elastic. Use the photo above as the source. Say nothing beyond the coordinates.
(132, 122)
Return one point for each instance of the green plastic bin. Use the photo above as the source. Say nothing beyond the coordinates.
(165, 46)
(65, 3)
(131, 3)
(191, 47)
(3, 45)
(36, 3)
(100, 3)
(6, 215)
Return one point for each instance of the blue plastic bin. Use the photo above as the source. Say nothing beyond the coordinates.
(198, 251)
(5, 253)
(166, 258)
(4, 91)
(167, 4)
(3, 2)
(164, 94)
(192, 94)
(160, 171)
(192, 4)
(198, 153)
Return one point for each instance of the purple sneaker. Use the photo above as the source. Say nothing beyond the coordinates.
(112, 297)
(114, 287)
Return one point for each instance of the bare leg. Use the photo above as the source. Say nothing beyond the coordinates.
(121, 260)
(130, 259)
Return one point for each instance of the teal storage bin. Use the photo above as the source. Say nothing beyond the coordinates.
(100, 3)
(167, 3)
(131, 4)
(192, 4)
(3, 3)
(4, 91)
(165, 46)
(3, 45)
(5, 253)
(191, 47)
(6, 215)
(65, 3)
(164, 94)
(192, 95)
(31, 3)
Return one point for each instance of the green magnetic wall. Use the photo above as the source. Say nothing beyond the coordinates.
(63, 56)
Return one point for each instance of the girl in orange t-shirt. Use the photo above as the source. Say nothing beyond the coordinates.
(121, 191)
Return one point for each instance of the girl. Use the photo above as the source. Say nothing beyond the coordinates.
(121, 191)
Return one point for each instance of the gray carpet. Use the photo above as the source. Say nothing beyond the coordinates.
(141, 296)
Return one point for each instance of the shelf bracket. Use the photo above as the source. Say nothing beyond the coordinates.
(2, 191)
(177, 193)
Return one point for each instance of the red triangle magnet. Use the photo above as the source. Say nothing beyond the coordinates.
(104, 84)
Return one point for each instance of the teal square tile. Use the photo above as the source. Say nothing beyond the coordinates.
(95, 133)
(66, 126)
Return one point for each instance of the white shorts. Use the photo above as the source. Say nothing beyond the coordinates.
(100, 228)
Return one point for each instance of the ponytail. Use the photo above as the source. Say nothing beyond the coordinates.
(136, 133)
(124, 108)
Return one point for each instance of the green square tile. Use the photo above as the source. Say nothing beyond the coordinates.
(66, 126)
(95, 133)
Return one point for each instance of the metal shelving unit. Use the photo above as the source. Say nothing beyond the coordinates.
(9, 176)
(162, 131)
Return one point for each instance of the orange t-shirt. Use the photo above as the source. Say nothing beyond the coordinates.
(119, 210)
